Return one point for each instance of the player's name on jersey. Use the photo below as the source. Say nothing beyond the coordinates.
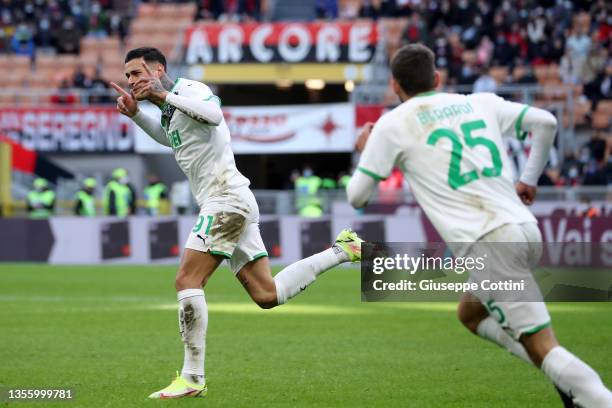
(446, 112)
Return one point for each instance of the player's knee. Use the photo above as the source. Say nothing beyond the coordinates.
(185, 280)
(467, 318)
(266, 299)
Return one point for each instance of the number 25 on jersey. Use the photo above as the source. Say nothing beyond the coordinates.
(456, 178)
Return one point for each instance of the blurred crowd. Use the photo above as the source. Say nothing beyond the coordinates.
(95, 84)
(58, 25)
(590, 166)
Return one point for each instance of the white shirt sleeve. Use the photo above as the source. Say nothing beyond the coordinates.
(519, 120)
(509, 114)
(380, 153)
(543, 126)
(151, 127)
(198, 102)
(360, 189)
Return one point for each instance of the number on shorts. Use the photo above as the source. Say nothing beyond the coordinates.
(492, 307)
(200, 223)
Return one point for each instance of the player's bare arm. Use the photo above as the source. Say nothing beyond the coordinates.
(363, 136)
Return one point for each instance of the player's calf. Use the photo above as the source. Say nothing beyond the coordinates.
(269, 292)
(471, 312)
(257, 280)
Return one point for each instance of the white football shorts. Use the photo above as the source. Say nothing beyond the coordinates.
(229, 227)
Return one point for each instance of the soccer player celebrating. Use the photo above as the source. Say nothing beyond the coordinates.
(192, 125)
(450, 148)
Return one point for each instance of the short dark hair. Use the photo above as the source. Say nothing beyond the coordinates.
(413, 67)
(149, 54)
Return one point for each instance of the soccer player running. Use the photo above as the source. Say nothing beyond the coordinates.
(449, 146)
(192, 125)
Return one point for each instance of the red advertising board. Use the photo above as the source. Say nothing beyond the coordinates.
(321, 42)
(68, 129)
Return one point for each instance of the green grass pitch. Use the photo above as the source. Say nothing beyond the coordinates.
(111, 334)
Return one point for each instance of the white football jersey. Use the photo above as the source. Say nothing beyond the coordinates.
(449, 147)
(202, 151)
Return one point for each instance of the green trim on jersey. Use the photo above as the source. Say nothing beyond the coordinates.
(259, 255)
(519, 123)
(371, 174)
(216, 99)
(428, 93)
(537, 328)
(225, 254)
(171, 90)
(175, 84)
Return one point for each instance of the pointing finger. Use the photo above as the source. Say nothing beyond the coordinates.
(119, 89)
(147, 69)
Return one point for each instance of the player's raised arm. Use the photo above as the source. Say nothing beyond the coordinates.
(128, 105)
(205, 110)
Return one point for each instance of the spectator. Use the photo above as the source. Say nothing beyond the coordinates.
(98, 21)
(485, 82)
(327, 9)
(68, 37)
(416, 30)
(156, 194)
(484, 52)
(99, 89)
(569, 70)
(594, 63)
(600, 88)
(44, 36)
(119, 195)
(64, 95)
(23, 43)
(79, 78)
(369, 9)
(523, 74)
(577, 48)
(41, 199)
(598, 170)
(85, 200)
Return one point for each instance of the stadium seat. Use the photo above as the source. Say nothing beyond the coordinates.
(605, 107)
(601, 120)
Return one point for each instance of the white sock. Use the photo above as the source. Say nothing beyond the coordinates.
(297, 276)
(193, 320)
(576, 379)
(491, 330)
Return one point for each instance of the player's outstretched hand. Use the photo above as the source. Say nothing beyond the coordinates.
(362, 139)
(526, 192)
(126, 103)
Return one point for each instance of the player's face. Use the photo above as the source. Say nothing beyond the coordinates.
(134, 70)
